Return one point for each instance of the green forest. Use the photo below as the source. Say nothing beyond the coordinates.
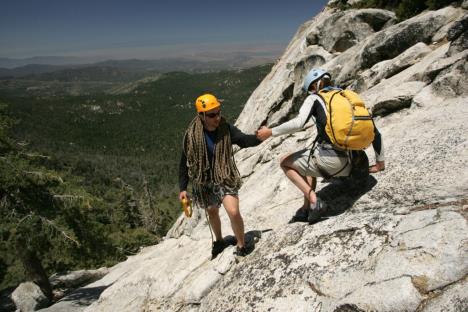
(88, 179)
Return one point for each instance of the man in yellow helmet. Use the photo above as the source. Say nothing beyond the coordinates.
(207, 160)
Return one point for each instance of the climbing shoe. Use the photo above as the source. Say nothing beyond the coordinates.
(217, 248)
(243, 251)
(315, 211)
(300, 216)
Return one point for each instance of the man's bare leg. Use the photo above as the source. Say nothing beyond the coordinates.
(213, 214)
(231, 204)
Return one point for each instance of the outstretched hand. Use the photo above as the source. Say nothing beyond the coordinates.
(183, 195)
(263, 133)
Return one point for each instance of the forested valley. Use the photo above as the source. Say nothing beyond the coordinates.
(88, 177)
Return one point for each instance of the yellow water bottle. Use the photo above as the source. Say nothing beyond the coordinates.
(187, 206)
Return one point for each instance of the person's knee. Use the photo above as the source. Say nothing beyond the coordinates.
(231, 204)
(234, 214)
(285, 161)
(213, 211)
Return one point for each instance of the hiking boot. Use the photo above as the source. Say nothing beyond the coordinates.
(217, 248)
(315, 211)
(243, 251)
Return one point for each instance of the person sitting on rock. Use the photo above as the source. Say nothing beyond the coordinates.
(207, 160)
(301, 167)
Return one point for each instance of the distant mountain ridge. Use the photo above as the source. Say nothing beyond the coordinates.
(30, 69)
(10, 63)
(14, 68)
(51, 80)
(77, 73)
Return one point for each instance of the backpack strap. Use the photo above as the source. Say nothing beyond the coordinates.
(328, 108)
(312, 149)
(331, 88)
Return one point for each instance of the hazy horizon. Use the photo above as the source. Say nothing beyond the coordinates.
(148, 29)
(168, 52)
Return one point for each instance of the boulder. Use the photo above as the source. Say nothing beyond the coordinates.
(396, 92)
(391, 42)
(29, 297)
(454, 24)
(388, 43)
(453, 81)
(458, 35)
(388, 68)
(460, 44)
(393, 98)
(457, 28)
(335, 35)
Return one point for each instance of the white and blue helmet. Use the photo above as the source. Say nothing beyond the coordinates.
(314, 75)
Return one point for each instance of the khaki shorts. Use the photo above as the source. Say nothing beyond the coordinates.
(214, 194)
(334, 163)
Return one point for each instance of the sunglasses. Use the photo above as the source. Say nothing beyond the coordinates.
(213, 115)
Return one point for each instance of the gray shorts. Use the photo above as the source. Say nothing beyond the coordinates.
(334, 163)
(214, 194)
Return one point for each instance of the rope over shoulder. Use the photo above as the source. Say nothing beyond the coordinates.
(221, 171)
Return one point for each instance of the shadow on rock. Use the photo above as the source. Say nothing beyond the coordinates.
(86, 295)
(338, 196)
(251, 237)
(230, 240)
(342, 193)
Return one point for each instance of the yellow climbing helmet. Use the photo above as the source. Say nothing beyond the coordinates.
(206, 102)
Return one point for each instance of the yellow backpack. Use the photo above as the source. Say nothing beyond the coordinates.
(349, 123)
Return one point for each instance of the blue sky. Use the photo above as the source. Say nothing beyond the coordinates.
(143, 28)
